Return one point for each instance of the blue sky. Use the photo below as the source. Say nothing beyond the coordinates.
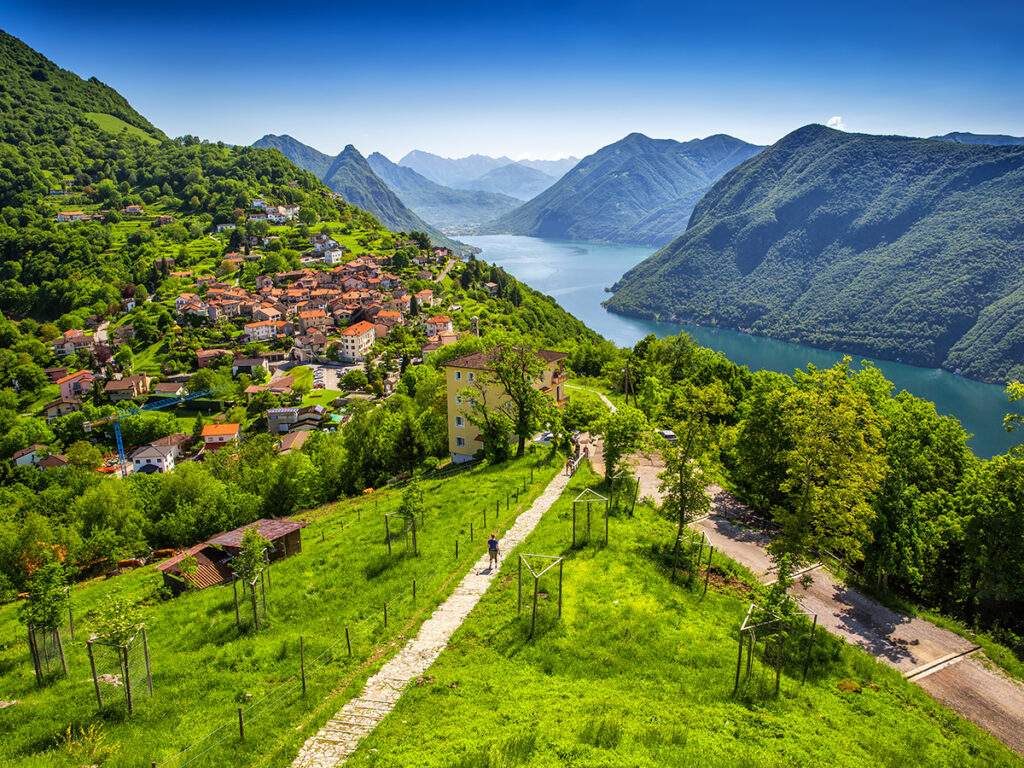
(542, 79)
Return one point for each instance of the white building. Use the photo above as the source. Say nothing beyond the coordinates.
(356, 341)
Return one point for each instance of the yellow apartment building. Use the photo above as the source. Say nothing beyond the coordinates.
(462, 373)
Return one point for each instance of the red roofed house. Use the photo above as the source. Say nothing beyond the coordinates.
(206, 356)
(70, 216)
(216, 436)
(356, 341)
(71, 341)
(437, 324)
(313, 318)
(76, 384)
(425, 297)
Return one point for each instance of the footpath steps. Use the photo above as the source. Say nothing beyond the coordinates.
(342, 734)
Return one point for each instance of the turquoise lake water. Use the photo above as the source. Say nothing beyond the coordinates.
(576, 275)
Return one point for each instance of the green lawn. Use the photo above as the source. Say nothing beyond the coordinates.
(640, 672)
(204, 667)
(116, 125)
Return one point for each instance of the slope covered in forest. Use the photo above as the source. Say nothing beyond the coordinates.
(637, 190)
(908, 249)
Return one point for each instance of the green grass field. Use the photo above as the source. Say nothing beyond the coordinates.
(640, 672)
(204, 667)
(116, 125)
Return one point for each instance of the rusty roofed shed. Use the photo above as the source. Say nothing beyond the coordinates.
(285, 537)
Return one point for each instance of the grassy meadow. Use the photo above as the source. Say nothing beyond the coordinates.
(640, 672)
(204, 667)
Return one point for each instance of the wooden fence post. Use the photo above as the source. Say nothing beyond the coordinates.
(387, 533)
(302, 664)
(456, 547)
(241, 725)
(96, 682)
(348, 642)
(385, 615)
(149, 668)
(127, 680)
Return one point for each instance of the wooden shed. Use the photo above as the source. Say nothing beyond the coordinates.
(285, 537)
(212, 568)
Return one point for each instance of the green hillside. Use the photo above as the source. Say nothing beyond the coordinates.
(444, 207)
(640, 672)
(205, 666)
(908, 249)
(637, 190)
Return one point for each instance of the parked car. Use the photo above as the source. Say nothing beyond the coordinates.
(667, 434)
(544, 438)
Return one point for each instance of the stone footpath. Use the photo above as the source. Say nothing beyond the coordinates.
(341, 735)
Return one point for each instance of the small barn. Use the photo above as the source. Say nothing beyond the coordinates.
(285, 537)
(212, 568)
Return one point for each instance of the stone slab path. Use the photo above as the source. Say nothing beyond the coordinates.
(342, 734)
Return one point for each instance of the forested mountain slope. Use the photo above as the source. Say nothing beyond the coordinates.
(637, 190)
(909, 249)
(444, 207)
(351, 176)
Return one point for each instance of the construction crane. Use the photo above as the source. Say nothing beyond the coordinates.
(117, 417)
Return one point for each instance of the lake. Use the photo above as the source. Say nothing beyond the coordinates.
(576, 275)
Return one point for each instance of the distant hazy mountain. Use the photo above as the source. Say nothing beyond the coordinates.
(351, 176)
(514, 179)
(444, 207)
(908, 249)
(556, 168)
(451, 172)
(637, 190)
(995, 139)
(501, 175)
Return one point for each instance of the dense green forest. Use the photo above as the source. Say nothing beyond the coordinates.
(907, 249)
(942, 528)
(637, 190)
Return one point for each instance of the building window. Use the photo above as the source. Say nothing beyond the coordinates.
(471, 377)
(458, 399)
(458, 375)
(459, 421)
(460, 442)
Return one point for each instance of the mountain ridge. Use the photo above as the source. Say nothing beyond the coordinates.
(897, 247)
(636, 190)
(350, 175)
(444, 207)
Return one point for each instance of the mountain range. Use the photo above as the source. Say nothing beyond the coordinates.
(351, 176)
(637, 190)
(908, 249)
(521, 179)
(444, 207)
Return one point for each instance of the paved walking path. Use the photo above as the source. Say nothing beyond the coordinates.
(340, 737)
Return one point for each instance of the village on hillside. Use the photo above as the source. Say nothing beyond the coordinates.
(299, 341)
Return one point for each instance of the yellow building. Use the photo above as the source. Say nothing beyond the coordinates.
(470, 371)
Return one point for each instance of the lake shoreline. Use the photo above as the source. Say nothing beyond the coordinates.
(577, 274)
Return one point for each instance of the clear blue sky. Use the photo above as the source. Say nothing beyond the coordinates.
(543, 79)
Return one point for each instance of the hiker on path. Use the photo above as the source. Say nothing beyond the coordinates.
(492, 551)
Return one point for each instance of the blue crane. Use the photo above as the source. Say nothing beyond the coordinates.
(119, 416)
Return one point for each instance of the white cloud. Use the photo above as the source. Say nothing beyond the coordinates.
(836, 122)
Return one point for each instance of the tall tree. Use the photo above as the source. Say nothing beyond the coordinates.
(833, 468)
